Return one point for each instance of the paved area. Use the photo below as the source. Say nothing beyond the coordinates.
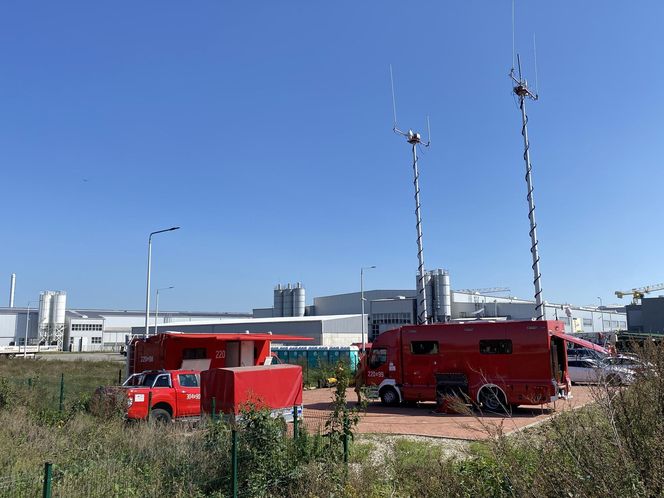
(420, 419)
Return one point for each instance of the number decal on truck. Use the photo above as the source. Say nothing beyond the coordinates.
(146, 359)
(374, 373)
(221, 354)
(194, 396)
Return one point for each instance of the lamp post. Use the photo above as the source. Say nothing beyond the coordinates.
(156, 307)
(362, 299)
(147, 290)
(601, 306)
(25, 340)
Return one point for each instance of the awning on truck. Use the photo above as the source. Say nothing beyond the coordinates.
(584, 343)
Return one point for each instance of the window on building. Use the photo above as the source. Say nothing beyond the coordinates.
(587, 322)
(565, 320)
(95, 340)
(492, 346)
(424, 347)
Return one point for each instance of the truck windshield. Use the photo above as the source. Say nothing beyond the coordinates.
(378, 357)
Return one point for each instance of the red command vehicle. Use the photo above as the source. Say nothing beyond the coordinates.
(276, 387)
(175, 350)
(494, 364)
(164, 395)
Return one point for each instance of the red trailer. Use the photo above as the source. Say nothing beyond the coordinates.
(493, 364)
(276, 387)
(176, 350)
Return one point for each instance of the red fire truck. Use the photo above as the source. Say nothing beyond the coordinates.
(175, 351)
(495, 365)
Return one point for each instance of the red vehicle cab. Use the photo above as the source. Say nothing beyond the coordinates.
(164, 395)
(495, 365)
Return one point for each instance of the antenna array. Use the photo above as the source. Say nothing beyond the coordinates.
(414, 139)
(522, 91)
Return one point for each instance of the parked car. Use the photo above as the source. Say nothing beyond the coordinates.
(612, 370)
(582, 353)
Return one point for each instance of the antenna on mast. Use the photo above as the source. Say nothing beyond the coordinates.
(523, 92)
(414, 139)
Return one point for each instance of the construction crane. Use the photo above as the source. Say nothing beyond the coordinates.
(486, 290)
(639, 293)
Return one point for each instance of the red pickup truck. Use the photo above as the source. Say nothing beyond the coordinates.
(170, 394)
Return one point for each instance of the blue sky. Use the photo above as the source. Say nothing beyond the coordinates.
(264, 130)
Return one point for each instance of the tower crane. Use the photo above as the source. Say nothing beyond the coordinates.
(639, 293)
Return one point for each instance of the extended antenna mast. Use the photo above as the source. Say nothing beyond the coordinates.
(522, 92)
(414, 139)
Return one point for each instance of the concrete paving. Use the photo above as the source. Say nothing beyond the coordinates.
(421, 420)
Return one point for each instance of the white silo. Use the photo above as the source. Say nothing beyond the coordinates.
(447, 297)
(44, 320)
(288, 301)
(278, 306)
(298, 300)
(437, 290)
(58, 309)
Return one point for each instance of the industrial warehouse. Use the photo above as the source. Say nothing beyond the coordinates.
(334, 320)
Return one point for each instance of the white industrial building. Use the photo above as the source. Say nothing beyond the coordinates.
(334, 320)
(336, 330)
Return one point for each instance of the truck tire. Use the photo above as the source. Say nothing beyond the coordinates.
(389, 396)
(492, 399)
(160, 415)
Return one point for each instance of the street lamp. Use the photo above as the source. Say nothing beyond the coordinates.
(25, 340)
(601, 309)
(147, 290)
(362, 299)
(156, 307)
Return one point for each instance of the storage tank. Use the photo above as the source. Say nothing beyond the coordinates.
(298, 300)
(447, 297)
(288, 301)
(58, 308)
(278, 306)
(437, 282)
(45, 301)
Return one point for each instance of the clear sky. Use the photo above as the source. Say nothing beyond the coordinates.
(264, 130)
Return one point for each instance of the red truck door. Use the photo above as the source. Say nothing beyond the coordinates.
(421, 358)
(188, 394)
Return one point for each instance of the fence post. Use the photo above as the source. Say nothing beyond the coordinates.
(149, 404)
(120, 376)
(30, 382)
(48, 473)
(234, 460)
(214, 408)
(345, 439)
(62, 391)
(295, 422)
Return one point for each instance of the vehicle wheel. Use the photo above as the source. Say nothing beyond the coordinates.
(160, 415)
(493, 400)
(389, 396)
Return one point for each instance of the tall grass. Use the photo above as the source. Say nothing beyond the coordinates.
(613, 447)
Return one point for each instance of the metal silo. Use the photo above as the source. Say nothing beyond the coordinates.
(278, 307)
(44, 320)
(58, 309)
(298, 300)
(12, 288)
(437, 284)
(288, 301)
(447, 297)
